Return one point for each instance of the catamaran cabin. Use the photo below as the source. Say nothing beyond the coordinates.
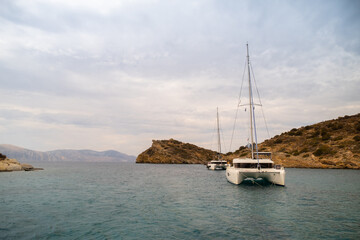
(252, 163)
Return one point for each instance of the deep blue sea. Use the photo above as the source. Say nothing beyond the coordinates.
(144, 201)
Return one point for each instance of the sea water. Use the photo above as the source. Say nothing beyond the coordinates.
(145, 201)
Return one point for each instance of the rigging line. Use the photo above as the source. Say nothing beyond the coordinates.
(242, 83)
(238, 105)
(262, 110)
(212, 136)
(222, 137)
(253, 180)
(232, 134)
(257, 183)
(248, 131)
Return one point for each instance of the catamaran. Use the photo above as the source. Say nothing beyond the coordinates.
(260, 165)
(217, 164)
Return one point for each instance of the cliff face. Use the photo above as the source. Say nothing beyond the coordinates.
(329, 144)
(9, 165)
(173, 151)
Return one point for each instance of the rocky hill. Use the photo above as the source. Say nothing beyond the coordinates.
(173, 151)
(9, 165)
(329, 144)
(23, 154)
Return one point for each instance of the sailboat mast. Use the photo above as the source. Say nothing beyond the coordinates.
(252, 114)
(218, 133)
(251, 103)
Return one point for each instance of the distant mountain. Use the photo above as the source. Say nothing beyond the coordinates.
(22, 154)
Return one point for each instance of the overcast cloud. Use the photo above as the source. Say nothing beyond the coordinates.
(116, 74)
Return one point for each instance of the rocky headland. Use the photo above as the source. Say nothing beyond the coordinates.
(173, 151)
(9, 165)
(329, 144)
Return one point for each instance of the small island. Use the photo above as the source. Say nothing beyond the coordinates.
(9, 165)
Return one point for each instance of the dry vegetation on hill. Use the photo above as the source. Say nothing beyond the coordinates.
(329, 144)
(173, 151)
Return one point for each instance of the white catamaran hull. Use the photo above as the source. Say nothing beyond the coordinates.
(217, 167)
(237, 175)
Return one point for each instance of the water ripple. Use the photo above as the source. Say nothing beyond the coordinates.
(129, 201)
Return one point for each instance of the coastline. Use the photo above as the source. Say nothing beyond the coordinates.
(11, 165)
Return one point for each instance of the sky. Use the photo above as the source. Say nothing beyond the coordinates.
(117, 74)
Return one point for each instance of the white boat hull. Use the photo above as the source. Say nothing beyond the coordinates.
(238, 175)
(216, 167)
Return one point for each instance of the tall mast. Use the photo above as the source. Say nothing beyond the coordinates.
(251, 103)
(218, 133)
(252, 113)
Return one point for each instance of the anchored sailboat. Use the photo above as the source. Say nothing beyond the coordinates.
(260, 164)
(217, 164)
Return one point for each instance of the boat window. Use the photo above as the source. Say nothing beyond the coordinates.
(245, 165)
(277, 166)
(252, 165)
(266, 165)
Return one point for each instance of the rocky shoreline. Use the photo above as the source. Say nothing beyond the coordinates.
(10, 165)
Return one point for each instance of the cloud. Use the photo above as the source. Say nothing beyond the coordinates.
(117, 74)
